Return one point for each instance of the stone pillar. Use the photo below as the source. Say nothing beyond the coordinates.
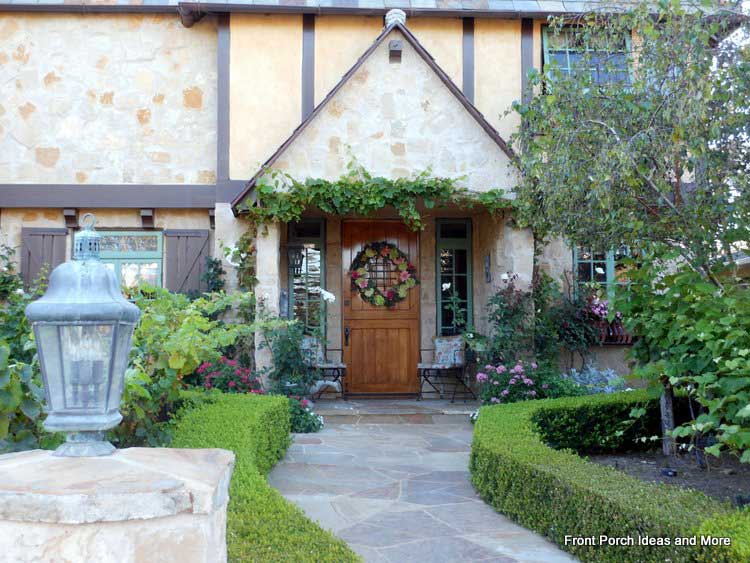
(519, 253)
(228, 229)
(268, 289)
(137, 505)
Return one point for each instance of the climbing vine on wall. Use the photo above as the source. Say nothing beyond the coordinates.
(280, 197)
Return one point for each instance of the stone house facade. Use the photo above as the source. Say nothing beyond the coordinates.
(159, 116)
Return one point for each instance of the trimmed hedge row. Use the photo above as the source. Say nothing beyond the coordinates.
(559, 494)
(262, 525)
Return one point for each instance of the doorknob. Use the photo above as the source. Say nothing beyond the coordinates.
(346, 336)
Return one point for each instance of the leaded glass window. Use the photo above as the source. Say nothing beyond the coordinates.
(607, 269)
(454, 279)
(134, 256)
(306, 273)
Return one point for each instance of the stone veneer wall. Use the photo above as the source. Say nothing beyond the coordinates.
(107, 99)
(397, 120)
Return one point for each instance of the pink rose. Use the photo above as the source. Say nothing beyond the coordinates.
(232, 384)
(501, 369)
(481, 377)
(505, 393)
(362, 283)
(403, 276)
(533, 365)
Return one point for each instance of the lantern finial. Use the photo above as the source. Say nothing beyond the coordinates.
(87, 240)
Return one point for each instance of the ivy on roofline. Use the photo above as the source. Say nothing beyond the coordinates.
(279, 197)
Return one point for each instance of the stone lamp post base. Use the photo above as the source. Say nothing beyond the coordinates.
(138, 504)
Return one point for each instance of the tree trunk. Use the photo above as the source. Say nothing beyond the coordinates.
(667, 419)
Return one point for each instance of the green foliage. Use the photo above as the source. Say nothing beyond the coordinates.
(262, 525)
(524, 381)
(557, 493)
(609, 163)
(229, 376)
(289, 374)
(21, 392)
(302, 417)
(589, 427)
(281, 197)
(173, 338)
(214, 275)
(540, 322)
(696, 336)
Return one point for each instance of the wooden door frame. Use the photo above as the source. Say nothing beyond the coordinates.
(346, 282)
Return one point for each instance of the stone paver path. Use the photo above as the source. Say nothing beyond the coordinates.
(396, 488)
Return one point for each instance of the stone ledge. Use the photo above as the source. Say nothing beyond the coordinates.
(132, 484)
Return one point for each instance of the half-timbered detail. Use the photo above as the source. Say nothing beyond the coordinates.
(165, 118)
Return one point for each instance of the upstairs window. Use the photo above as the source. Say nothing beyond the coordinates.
(567, 51)
(306, 273)
(134, 256)
(454, 282)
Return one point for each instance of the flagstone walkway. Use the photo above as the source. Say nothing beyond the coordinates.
(396, 488)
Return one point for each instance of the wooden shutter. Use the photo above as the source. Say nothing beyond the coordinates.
(185, 260)
(40, 248)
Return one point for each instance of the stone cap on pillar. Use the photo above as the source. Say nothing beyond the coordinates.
(131, 484)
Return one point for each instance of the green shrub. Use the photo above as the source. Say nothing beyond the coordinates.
(597, 426)
(262, 525)
(557, 493)
(303, 419)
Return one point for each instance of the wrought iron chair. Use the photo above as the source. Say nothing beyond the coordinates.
(448, 368)
(331, 373)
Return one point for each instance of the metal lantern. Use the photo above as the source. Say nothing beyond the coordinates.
(83, 328)
(295, 258)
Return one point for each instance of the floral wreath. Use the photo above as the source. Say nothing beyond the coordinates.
(368, 288)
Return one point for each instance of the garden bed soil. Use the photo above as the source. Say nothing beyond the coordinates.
(724, 479)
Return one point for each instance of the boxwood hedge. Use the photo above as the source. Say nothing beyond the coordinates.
(262, 525)
(558, 494)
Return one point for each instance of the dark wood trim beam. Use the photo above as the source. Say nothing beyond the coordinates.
(119, 196)
(308, 65)
(468, 59)
(222, 105)
(527, 57)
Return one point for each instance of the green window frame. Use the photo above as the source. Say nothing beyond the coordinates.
(453, 265)
(599, 267)
(559, 48)
(140, 253)
(304, 305)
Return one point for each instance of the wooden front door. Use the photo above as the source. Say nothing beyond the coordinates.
(381, 344)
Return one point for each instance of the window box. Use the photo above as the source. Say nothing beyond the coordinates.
(613, 333)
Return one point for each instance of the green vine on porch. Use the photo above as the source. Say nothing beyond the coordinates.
(282, 198)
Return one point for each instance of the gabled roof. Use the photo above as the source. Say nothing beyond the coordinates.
(426, 57)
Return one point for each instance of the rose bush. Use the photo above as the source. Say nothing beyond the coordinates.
(229, 376)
